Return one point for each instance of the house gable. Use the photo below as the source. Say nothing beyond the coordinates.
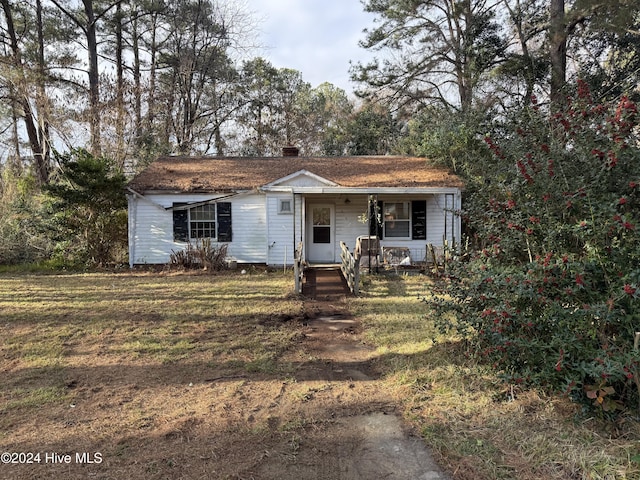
(301, 178)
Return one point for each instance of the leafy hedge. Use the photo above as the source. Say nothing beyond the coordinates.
(552, 297)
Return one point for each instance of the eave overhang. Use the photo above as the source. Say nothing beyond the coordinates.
(362, 190)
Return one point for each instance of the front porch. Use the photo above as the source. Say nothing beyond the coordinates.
(328, 281)
(403, 223)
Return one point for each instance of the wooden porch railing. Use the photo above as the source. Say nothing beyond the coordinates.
(350, 268)
(298, 267)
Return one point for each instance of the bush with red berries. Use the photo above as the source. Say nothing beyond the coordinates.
(551, 297)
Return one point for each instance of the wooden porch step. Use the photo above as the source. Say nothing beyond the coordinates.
(322, 282)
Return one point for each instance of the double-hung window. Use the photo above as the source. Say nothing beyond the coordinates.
(209, 220)
(202, 221)
(401, 220)
(397, 222)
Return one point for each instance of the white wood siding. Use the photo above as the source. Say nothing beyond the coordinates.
(151, 227)
(249, 224)
(263, 235)
(281, 241)
(348, 225)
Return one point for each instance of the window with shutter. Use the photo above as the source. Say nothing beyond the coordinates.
(202, 221)
(396, 220)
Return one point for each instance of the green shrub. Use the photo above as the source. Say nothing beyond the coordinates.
(87, 211)
(22, 235)
(552, 298)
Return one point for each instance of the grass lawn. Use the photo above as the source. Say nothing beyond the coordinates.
(138, 364)
(478, 426)
(102, 362)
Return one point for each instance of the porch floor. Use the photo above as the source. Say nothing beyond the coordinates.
(324, 281)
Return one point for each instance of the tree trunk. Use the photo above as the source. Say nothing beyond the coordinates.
(136, 77)
(16, 163)
(42, 100)
(465, 80)
(557, 52)
(120, 111)
(151, 101)
(22, 100)
(218, 140)
(94, 78)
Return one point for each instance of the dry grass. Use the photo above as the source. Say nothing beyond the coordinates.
(196, 376)
(57, 319)
(107, 362)
(479, 427)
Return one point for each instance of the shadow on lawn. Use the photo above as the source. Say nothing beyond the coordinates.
(151, 375)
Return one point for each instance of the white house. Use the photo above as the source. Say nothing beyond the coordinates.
(262, 208)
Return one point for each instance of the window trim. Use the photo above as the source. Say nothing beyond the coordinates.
(191, 221)
(407, 207)
(281, 203)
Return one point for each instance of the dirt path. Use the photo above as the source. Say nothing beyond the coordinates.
(357, 440)
(370, 442)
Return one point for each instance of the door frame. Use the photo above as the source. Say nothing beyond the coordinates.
(328, 255)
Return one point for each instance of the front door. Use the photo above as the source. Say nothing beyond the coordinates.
(320, 226)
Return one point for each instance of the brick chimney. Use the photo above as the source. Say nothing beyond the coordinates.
(290, 151)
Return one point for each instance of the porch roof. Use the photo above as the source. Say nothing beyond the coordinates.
(232, 174)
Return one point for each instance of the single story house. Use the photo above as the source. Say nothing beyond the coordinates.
(263, 208)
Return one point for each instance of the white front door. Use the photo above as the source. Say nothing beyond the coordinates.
(320, 233)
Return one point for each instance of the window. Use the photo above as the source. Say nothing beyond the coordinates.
(202, 221)
(397, 221)
(211, 220)
(321, 224)
(285, 207)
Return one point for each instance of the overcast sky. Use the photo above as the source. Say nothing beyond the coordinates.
(316, 37)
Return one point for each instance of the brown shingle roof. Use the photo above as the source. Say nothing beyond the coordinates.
(220, 174)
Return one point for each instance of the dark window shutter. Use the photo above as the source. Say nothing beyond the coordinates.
(419, 220)
(180, 224)
(224, 221)
(375, 218)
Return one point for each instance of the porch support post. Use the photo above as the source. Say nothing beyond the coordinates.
(374, 224)
(303, 226)
(293, 225)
